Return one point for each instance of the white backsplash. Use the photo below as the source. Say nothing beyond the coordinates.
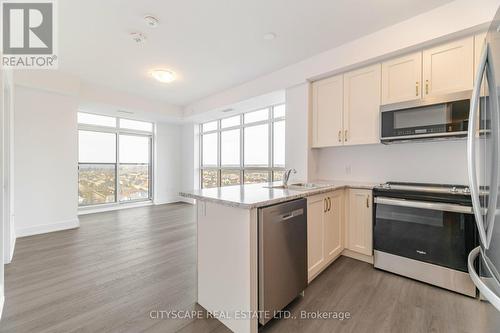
(431, 162)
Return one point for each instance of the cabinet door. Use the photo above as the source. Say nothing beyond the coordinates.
(333, 225)
(362, 106)
(316, 208)
(359, 223)
(327, 112)
(402, 79)
(448, 68)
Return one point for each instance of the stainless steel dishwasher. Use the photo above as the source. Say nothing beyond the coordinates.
(282, 256)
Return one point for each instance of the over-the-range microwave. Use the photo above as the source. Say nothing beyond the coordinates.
(443, 117)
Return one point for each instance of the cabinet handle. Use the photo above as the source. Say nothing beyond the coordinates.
(416, 88)
(329, 204)
(325, 205)
(427, 87)
(367, 201)
(340, 135)
(345, 135)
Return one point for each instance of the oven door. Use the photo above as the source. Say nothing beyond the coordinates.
(438, 233)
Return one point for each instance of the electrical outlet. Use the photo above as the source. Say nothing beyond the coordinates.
(348, 170)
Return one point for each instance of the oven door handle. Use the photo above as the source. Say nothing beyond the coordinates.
(425, 205)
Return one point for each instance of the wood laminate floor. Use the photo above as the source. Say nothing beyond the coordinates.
(108, 275)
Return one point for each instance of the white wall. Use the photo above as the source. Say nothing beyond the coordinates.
(190, 159)
(45, 161)
(296, 133)
(443, 23)
(2, 192)
(8, 153)
(167, 163)
(431, 162)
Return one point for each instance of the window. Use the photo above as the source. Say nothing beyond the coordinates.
(136, 125)
(114, 160)
(97, 120)
(243, 149)
(134, 167)
(97, 171)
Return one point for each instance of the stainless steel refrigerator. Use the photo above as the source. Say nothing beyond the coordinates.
(483, 157)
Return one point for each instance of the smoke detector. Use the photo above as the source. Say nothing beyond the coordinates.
(151, 21)
(138, 37)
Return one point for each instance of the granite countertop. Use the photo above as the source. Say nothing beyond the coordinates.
(256, 195)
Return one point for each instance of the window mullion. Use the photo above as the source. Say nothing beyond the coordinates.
(270, 141)
(242, 150)
(117, 168)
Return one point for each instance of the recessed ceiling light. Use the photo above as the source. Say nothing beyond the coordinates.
(151, 21)
(270, 36)
(163, 75)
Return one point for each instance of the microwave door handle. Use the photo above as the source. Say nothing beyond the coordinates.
(471, 148)
(495, 128)
(493, 298)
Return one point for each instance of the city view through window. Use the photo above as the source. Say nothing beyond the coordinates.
(247, 148)
(114, 160)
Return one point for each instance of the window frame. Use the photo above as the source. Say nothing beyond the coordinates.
(117, 131)
(270, 168)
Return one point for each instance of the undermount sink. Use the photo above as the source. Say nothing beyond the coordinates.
(296, 186)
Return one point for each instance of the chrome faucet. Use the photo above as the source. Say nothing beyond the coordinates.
(286, 176)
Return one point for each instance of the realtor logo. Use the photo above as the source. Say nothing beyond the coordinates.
(28, 31)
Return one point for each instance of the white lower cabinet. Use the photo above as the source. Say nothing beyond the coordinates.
(359, 221)
(337, 221)
(325, 241)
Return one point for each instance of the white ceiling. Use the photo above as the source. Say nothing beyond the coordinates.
(211, 45)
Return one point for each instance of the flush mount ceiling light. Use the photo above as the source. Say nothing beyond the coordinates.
(270, 36)
(151, 21)
(163, 75)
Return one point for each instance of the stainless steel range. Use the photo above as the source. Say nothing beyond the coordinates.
(425, 232)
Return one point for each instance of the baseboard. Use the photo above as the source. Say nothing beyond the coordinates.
(109, 208)
(175, 199)
(45, 228)
(357, 256)
(2, 301)
(12, 246)
(187, 200)
(9, 257)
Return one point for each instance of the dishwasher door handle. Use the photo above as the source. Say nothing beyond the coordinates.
(293, 214)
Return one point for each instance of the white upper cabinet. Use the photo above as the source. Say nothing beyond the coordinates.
(402, 79)
(448, 68)
(327, 114)
(362, 106)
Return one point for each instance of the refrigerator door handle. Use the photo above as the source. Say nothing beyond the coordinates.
(495, 132)
(471, 148)
(493, 298)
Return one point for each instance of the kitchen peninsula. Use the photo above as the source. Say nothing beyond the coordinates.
(228, 246)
